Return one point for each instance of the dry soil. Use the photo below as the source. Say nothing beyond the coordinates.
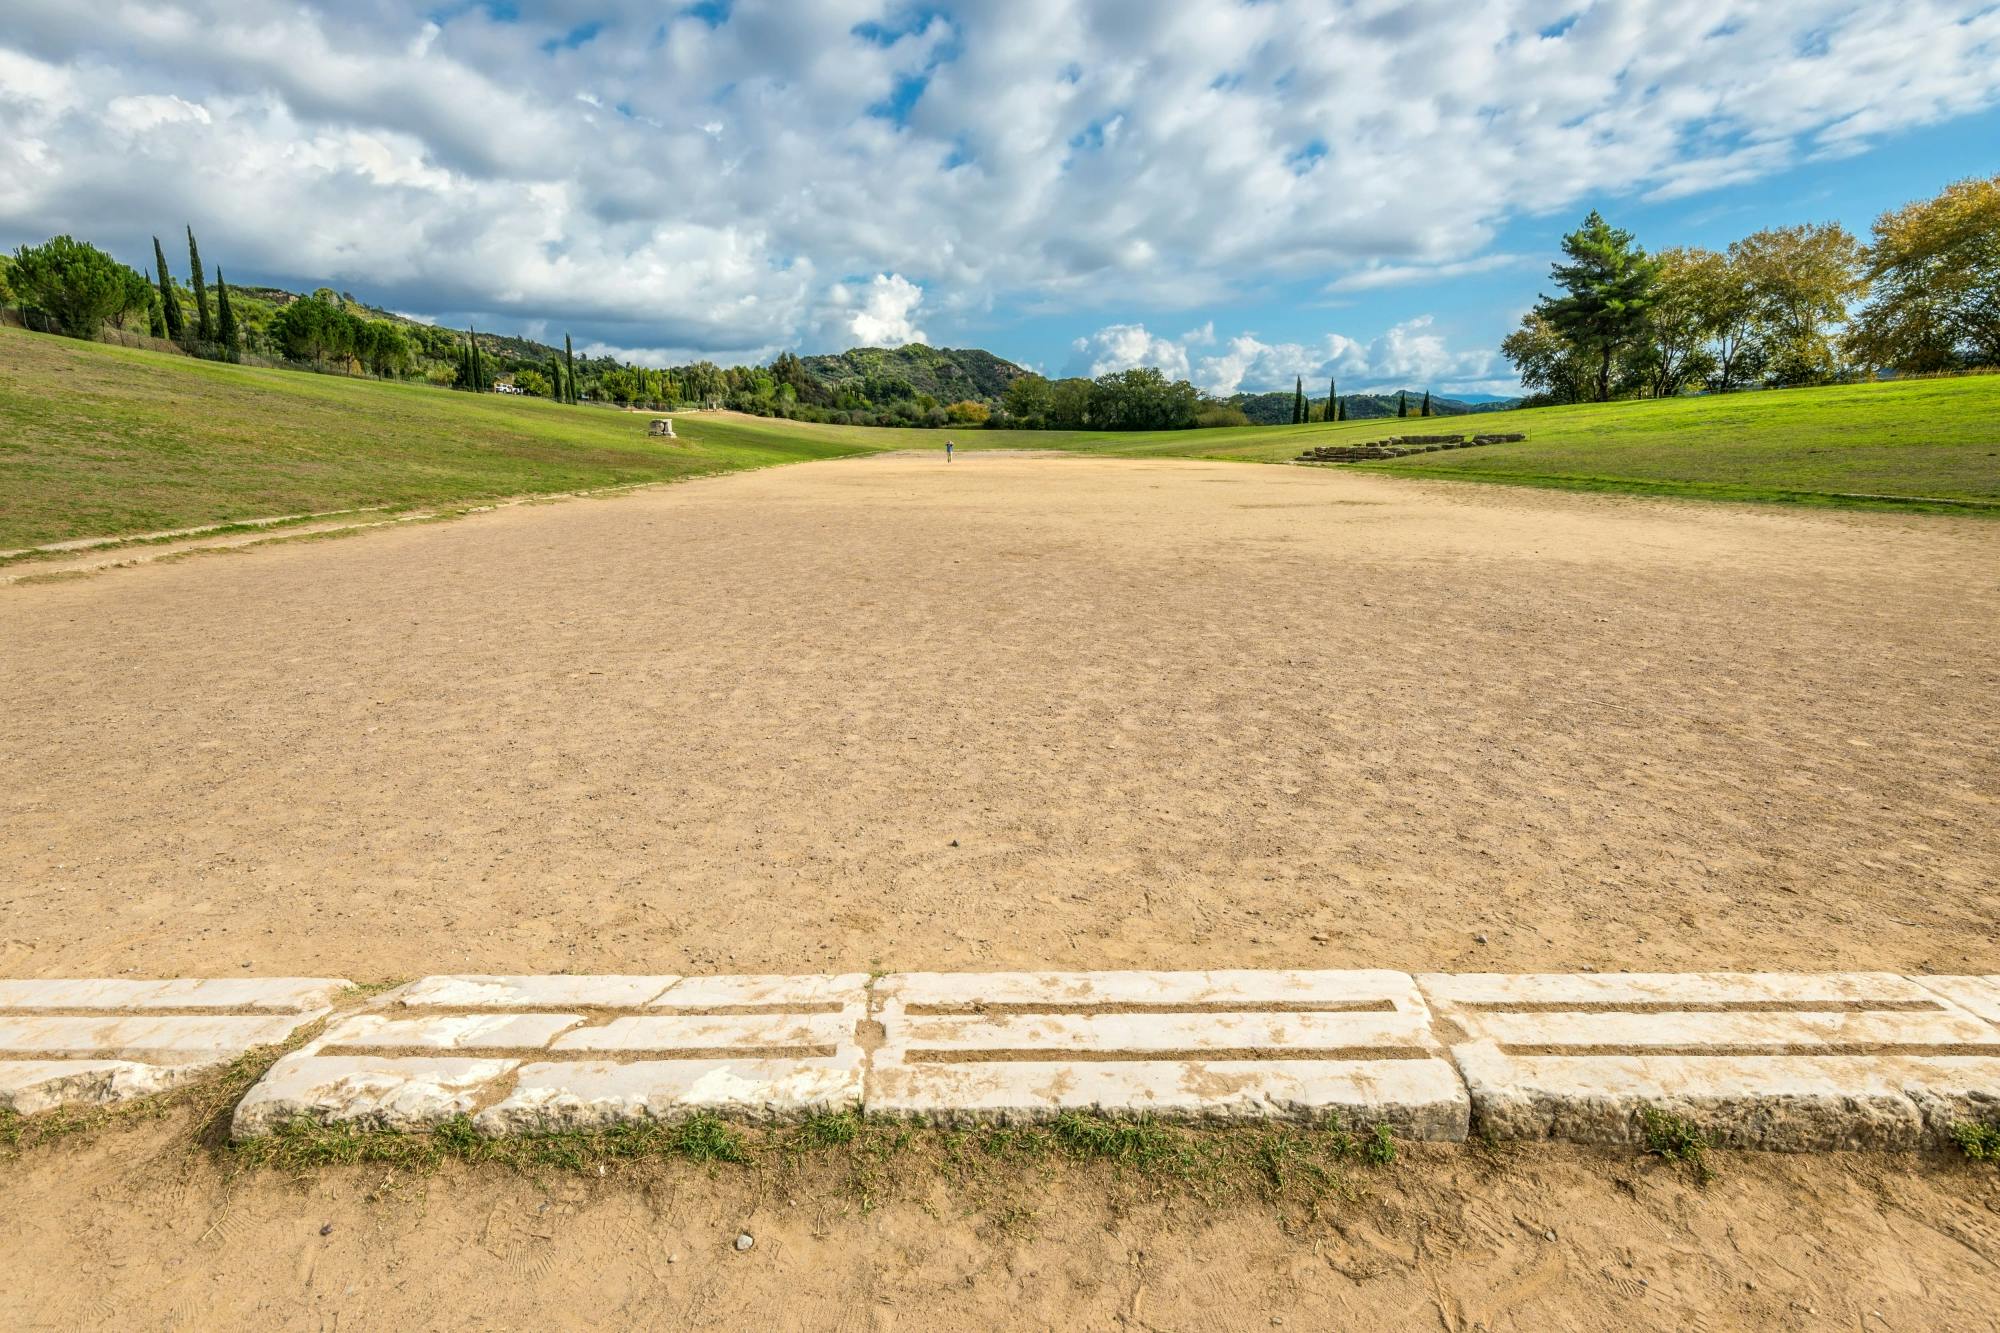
(1012, 712)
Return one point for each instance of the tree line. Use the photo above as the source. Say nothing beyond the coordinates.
(1785, 306)
(69, 286)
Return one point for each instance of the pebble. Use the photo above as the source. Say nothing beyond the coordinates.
(326, 1230)
(1479, 939)
(744, 1241)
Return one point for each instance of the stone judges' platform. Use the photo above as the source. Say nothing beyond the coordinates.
(1767, 1060)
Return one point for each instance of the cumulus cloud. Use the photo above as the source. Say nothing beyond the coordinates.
(880, 313)
(1412, 352)
(1124, 347)
(709, 179)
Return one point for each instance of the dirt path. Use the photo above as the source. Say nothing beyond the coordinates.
(128, 1233)
(1018, 712)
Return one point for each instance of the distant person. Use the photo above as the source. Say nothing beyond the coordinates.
(947, 451)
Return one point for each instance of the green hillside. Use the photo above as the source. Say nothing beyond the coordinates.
(946, 374)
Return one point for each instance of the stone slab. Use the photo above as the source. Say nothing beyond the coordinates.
(97, 1040)
(551, 992)
(274, 995)
(1212, 1046)
(1768, 1060)
(1975, 995)
(527, 1054)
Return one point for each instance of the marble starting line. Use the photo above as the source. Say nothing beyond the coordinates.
(1761, 1060)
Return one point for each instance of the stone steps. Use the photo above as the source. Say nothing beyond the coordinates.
(1793, 1061)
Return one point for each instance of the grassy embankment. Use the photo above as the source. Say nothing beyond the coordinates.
(98, 440)
(1922, 444)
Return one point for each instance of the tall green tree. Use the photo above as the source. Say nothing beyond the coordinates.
(226, 331)
(1427, 404)
(1935, 268)
(204, 328)
(569, 366)
(1299, 401)
(472, 361)
(170, 303)
(1802, 280)
(156, 323)
(1608, 286)
(1332, 398)
(1402, 404)
(1679, 327)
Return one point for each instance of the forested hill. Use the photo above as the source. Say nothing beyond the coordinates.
(947, 374)
(1275, 409)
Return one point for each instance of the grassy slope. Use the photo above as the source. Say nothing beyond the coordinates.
(99, 440)
(1921, 439)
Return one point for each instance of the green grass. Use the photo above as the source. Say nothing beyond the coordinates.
(97, 441)
(1979, 1142)
(1676, 1138)
(1924, 444)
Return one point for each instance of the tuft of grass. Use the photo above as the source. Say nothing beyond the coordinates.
(1979, 1142)
(1676, 1138)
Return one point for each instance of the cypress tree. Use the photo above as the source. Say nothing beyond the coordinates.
(204, 331)
(1332, 399)
(1427, 404)
(558, 391)
(170, 305)
(478, 371)
(569, 365)
(1299, 402)
(156, 323)
(225, 318)
(1402, 405)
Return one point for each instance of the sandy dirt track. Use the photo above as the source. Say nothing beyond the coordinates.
(1018, 712)
(126, 1235)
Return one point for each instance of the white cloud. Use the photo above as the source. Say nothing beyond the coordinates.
(696, 185)
(1373, 277)
(1125, 346)
(883, 313)
(1409, 353)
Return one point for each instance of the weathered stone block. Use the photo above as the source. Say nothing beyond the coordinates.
(1221, 1046)
(1771, 1060)
(99, 1040)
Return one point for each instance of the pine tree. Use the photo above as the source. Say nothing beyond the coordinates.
(204, 330)
(1402, 405)
(225, 318)
(170, 304)
(156, 323)
(1427, 404)
(569, 367)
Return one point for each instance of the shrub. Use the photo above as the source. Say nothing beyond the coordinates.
(967, 413)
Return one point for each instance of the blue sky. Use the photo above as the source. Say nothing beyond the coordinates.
(1238, 192)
